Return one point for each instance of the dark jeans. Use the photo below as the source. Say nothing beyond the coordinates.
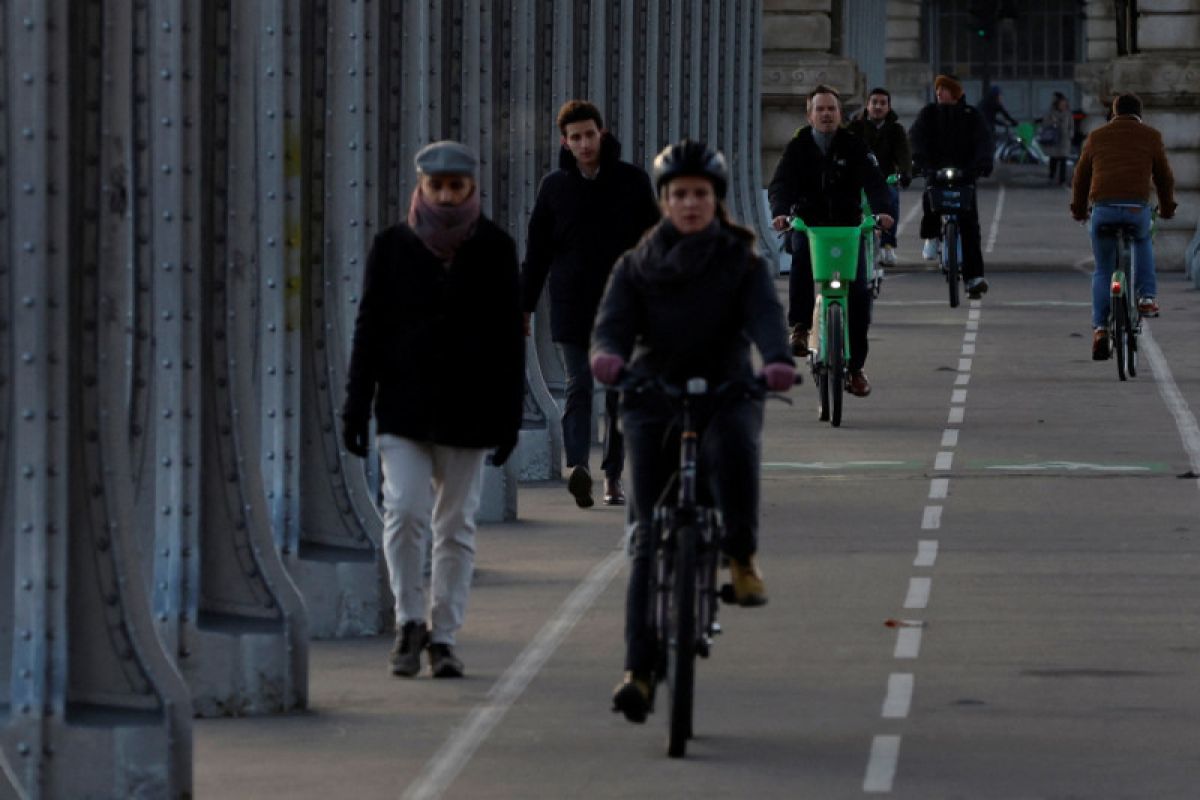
(577, 415)
(968, 227)
(802, 296)
(730, 454)
(1058, 165)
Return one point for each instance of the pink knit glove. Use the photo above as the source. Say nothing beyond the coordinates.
(607, 367)
(780, 376)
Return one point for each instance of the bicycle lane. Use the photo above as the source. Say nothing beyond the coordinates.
(1061, 634)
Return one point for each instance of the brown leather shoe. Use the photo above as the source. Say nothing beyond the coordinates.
(614, 495)
(634, 697)
(748, 586)
(857, 383)
(1100, 349)
(798, 339)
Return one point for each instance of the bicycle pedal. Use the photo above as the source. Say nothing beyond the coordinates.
(728, 596)
(715, 629)
(704, 648)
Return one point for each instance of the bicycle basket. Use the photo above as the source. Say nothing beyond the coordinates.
(951, 199)
(834, 249)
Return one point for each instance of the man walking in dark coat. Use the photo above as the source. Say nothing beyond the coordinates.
(950, 133)
(880, 128)
(431, 285)
(588, 212)
(820, 178)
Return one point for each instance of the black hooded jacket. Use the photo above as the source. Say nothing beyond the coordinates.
(690, 306)
(416, 348)
(888, 142)
(946, 135)
(825, 188)
(578, 229)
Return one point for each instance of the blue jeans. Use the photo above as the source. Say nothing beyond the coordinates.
(1104, 248)
(888, 237)
(577, 415)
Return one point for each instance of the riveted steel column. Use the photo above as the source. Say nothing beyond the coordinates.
(758, 215)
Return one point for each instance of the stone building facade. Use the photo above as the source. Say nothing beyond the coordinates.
(807, 42)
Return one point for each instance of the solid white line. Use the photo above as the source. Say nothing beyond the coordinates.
(931, 520)
(956, 415)
(950, 437)
(927, 551)
(958, 396)
(962, 379)
(441, 770)
(938, 487)
(881, 766)
(968, 350)
(964, 365)
(898, 700)
(991, 242)
(908, 643)
(908, 218)
(918, 592)
(944, 460)
(1185, 421)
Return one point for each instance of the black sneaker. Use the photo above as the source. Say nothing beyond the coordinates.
(633, 697)
(443, 663)
(579, 484)
(977, 287)
(405, 658)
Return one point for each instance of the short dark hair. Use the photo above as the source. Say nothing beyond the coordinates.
(821, 88)
(578, 111)
(882, 91)
(1127, 103)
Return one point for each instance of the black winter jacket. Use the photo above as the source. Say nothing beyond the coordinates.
(826, 188)
(690, 306)
(951, 136)
(440, 350)
(578, 229)
(889, 142)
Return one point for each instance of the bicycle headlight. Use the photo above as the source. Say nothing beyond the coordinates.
(835, 284)
(947, 173)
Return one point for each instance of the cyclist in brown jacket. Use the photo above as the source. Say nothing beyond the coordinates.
(1120, 162)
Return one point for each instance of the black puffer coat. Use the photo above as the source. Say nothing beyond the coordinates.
(945, 135)
(690, 306)
(888, 142)
(578, 229)
(826, 188)
(440, 350)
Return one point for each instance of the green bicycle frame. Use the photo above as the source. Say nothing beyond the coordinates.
(834, 252)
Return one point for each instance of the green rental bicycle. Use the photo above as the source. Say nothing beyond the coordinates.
(834, 251)
(871, 244)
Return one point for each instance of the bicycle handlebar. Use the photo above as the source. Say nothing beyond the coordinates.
(632, 381)
(797, 224)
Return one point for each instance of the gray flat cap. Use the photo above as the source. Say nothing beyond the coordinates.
(446, 158)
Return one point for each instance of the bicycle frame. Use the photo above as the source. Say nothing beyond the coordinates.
(870, 243)
(1123, 308)
(834, 252)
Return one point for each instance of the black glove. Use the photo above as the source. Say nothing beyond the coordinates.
(905, 180)
(356, 436)
(501, 453)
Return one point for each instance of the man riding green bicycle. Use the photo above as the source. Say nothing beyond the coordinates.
(1119, 162)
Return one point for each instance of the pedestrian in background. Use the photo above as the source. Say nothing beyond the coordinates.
(1058, 128)
(588, 212)
(880, 128)
(431, 285)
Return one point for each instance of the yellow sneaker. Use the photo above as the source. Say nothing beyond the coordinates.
(748, 586)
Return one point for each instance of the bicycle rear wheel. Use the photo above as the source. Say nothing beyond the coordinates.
(836, 372)
(950, 259)
(1131, 342)
(1120, 333)
(681, 643)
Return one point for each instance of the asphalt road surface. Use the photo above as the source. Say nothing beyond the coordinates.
(1027, 523)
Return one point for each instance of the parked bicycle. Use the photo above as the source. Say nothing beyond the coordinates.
(834, 251)
(950, 193)
(688, 534)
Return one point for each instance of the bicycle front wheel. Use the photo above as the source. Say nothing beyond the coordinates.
(950, 259)
(835, 332)
(681, 642)
(1120, 333)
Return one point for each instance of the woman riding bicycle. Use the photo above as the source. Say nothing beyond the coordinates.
(687, 302)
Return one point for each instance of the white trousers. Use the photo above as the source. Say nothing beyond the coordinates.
(424, 486)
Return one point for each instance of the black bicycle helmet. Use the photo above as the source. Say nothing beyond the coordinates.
(689, 157)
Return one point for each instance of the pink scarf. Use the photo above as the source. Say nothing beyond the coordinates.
(443, 228)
